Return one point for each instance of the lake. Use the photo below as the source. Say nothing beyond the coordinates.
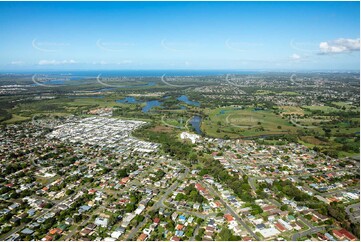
(196, 124)
(78, 96)
(150, 105)
(185, 99)
(50, 82)
(131, 100)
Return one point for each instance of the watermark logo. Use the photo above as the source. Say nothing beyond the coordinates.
(246, 122)
(47, 46)
(101, 80)
(314, 80)
(108, 82)
(305, 46)
(234, 83)
(177, 46)
(172, 85)
(241, 46)
(46, 81)
(113, 46)
(293, 79)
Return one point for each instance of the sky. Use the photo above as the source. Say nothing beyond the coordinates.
(180, 35)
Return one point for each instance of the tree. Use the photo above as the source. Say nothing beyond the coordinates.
(180, 196)
(130, 207)
(139, 218)
(256, 209)
(199, 221)
(192, 156)
(122, 173)
(284, 207)
(77, 218)
(69, 192)
(220, 214)
(48, 205)
(189, 232)
(225, 234)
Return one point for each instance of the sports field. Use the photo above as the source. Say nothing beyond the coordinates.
(235, 122)
(291, 110)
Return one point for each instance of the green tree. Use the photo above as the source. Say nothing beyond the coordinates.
(225, 234)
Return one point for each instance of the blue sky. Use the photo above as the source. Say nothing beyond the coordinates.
(180, 35)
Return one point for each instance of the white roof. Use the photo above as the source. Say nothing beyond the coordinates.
(266, 233)
(116, 234)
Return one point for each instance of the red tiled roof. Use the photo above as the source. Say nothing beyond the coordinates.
(179, 227)
(92, 191)
(55, 231)
(229, 217)
(199, 187)
(142, 237)
(337, 233)
(347, 234)
(124, 180)
(48, 238)
(280, 227)
(268, 207)
(123, 200)
(247, 238)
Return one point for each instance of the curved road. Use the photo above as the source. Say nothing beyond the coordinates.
(311, 231)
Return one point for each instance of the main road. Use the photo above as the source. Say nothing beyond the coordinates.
(158, 204)
(230, 209)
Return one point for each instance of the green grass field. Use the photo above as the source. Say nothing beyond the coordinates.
(312, 121)
(247, 122)
(177, 122)
(347, 105)
(325, 109)
(291, 110)
(16, 118)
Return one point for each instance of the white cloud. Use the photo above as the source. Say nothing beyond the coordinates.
(122, 62)
(16, 62)
(102, 62)
(56, 62)
(125, 62)
(295, 57)
(340, 46)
